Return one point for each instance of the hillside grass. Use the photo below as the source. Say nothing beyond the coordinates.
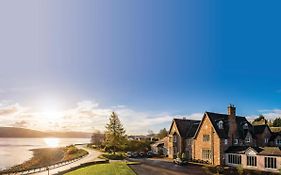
(115, 168)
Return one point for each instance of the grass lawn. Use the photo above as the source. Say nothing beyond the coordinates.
(116, 168)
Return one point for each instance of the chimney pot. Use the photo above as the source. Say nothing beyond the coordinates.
(231, 110)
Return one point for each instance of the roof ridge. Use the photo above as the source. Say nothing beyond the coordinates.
(186, 119)
(223, 114)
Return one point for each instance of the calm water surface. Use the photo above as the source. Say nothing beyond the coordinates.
(15, 151)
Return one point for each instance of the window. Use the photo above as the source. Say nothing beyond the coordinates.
(220, 124)
(175, 150)
(247, 139)
(188, 141)
(175, 138)
(270, 162)
(245, 126)
(266, 140)
(278, 141)
(235, 141)
(251, 161)
(206, 154)
(225, 141)
(206, 138)
(234, 159)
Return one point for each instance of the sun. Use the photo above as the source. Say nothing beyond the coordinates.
(51, 111)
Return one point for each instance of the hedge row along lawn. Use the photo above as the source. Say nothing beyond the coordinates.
(116, 168)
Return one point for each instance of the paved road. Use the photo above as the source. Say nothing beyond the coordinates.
(93, 155)
(161, 167)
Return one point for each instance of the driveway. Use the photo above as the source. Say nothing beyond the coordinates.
(93, 155)
(162, 167)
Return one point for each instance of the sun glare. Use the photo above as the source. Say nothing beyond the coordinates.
(52, 142)
(50, 110)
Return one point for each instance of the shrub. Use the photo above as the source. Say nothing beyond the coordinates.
(240, 170)
(183, 156)
(72, 150)
(116, 156)
(179, 155)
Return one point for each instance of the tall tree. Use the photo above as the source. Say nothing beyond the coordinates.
(277, 122)
(115, 133)
(97, 138)
(162, 133)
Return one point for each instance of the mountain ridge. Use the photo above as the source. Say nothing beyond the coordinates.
(15, 132)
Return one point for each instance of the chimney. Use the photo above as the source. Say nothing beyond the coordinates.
(232, 132)
(231, 110)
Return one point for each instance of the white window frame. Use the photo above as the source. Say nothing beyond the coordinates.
(266, 140)
(252, 161)
(234, 159)
(225, 141)
(247, 139)
(206, 154)
(220, 124)
(246, 126)
(270, 162)
(236, 141)
(278, 141)
(174, 138)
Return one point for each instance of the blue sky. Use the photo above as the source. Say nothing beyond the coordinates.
(152, 58)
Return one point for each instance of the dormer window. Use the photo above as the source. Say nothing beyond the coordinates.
(220, 124)
(245, 126)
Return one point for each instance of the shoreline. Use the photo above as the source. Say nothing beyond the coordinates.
(44, 157)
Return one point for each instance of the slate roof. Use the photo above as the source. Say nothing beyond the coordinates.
(274, 135)
(259, 128)
(242, 149)
(266, 151)
(275, 129)
(187, 128)
(223, 133)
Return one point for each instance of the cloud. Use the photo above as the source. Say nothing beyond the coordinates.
(269, 114)
(20, 124)
(87, 116)
(11, 110)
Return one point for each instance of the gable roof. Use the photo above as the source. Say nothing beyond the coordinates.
(186, 128)
(242, 149)
(275, 129)
(259, 129)
(223, 133)
(267, 151)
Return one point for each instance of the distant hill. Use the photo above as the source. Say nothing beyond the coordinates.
(28, 133)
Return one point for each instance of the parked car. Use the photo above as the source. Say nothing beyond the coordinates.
(135, 154)
(141, 154)
(149, 154)
(129, 154)
(179, 161)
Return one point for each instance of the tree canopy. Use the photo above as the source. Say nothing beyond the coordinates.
(277, 122)
(162, 133)
(260, 120)
(115, 133)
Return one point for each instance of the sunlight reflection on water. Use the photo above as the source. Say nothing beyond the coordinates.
(17, 150)
(52, 142)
